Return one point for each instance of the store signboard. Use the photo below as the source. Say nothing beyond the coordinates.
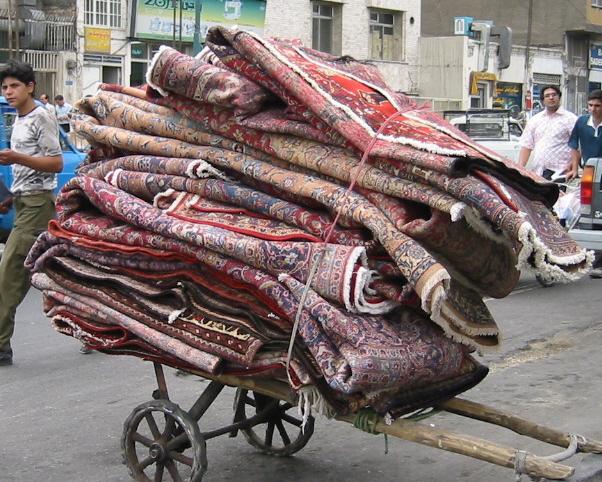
(155, 20)
(97, 40)
(508, 94)
(595, 56)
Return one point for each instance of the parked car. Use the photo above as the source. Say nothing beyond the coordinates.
(493, 128)
(72, 158)
(588, 231)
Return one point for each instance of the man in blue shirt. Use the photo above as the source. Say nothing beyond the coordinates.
(586, 139)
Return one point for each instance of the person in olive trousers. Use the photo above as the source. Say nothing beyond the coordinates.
(35, 157)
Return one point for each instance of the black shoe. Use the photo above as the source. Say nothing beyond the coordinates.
(6, 357)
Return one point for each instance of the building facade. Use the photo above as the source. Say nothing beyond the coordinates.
(384, 32)
(570, 31)
(113, 41)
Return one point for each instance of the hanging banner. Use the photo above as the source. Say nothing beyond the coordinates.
(154, 19)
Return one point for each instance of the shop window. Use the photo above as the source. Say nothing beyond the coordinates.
(103, 13)
(386, 35)
(326, 27)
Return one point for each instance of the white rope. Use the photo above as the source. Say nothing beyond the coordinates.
(520, 457)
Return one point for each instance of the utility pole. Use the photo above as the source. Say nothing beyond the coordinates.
(527, 86)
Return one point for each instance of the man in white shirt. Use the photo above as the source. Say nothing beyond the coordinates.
(47, 105)
(62, 112)
(546, 137)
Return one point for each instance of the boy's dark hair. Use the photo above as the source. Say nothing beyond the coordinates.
(595, 94)
(21, 71)
(59, 97)
(555, 88)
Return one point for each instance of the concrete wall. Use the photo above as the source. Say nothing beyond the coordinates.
(442, 66)
(551, 18)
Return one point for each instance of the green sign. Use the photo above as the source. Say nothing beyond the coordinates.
(154, 19)
(138, 51)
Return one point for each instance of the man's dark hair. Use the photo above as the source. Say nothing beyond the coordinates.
(555, 88)
(59, 97)
(595, 94)
(21, 71)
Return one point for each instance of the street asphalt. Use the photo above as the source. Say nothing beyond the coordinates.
(62, 412)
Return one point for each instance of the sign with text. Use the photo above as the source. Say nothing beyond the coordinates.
(508, 94)
(595, 56)
(97, 40)
(155, 19)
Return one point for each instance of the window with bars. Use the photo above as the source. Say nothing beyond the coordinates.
(597, 3)
(385, 35)
(103, 13)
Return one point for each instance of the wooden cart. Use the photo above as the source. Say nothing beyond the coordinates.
(161, 441)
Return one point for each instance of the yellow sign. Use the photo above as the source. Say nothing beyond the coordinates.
(480, 76)
(97, 40)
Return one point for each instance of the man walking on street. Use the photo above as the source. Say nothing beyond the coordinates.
(586, 142)
(62, 112)
(35, 157)
(546, 136)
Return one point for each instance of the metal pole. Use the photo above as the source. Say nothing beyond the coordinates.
(10, 28)
(17, 46)
(527, 80)
(180, 39)
(196, 45)
(175, 4)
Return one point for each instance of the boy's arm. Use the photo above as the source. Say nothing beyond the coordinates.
(41, 163)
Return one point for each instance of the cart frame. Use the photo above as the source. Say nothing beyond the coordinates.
(271, 400)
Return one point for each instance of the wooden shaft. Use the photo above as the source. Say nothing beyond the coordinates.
(478, 411)
(419, 433)
(471, 446)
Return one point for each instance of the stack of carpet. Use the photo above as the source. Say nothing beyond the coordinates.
(264, 192)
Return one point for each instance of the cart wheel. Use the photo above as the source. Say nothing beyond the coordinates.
(290, 438)
(159, 440)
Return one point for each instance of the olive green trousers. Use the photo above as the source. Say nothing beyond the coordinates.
(32, 215)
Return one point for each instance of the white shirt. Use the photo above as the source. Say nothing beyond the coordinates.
(547, 135)
(50, 108)
(590, 122)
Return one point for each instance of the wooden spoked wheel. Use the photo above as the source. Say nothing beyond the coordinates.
(161, 442)
(278, 432)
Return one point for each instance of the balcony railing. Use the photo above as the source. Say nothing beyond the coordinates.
(48, 33)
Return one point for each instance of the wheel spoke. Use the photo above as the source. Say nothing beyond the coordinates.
(159, 472)
(170, 425)
(173, 471)
(153, 425)
(249, 401)
(145, 463)
(283, 434)
(292, 420)
(183, 459)
(138, 437)
(269, 433)
(177, 442)
(285, 406)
